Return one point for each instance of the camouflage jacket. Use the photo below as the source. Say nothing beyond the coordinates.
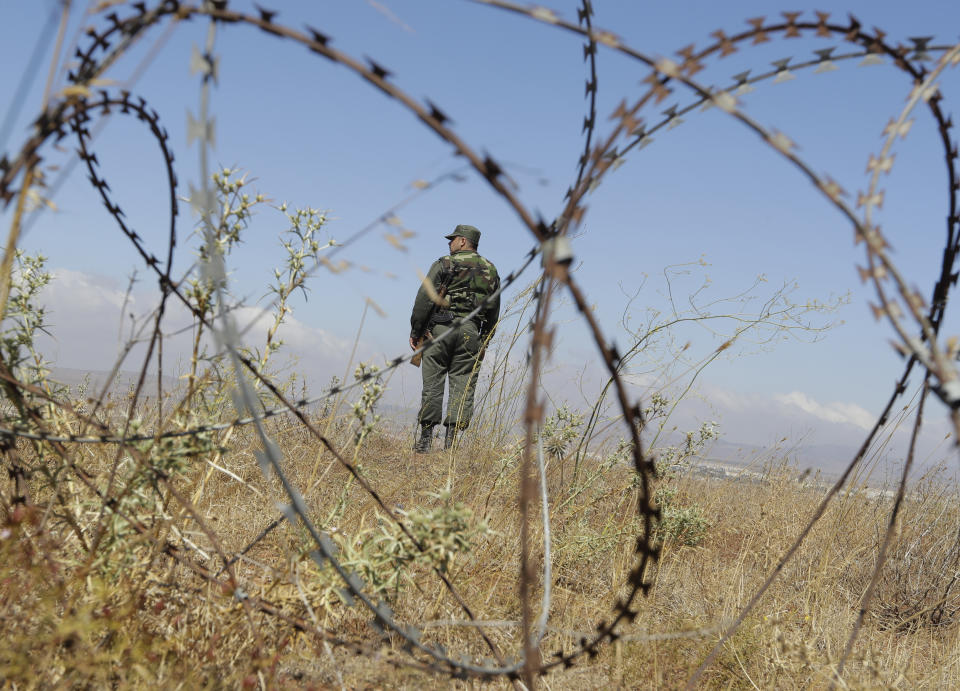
(469, 279)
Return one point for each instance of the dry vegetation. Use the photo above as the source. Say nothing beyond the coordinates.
(79, 611)
(165, 562)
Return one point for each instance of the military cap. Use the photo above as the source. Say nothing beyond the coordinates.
(464, 231)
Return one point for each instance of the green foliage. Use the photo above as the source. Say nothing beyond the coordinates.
(302, 252)
(679, 524)
(364, 410)
(202, 289)
(138, 476)
(236, 210)
(685, 525)
(444, 532)
(24, 318)
(670, 458)
(386, 558)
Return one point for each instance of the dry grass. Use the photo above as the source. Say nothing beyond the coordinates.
(125, 613)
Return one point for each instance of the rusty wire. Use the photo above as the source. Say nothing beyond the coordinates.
(106, 46)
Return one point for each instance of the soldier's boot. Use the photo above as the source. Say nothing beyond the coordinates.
(450, 437)
(425, 440)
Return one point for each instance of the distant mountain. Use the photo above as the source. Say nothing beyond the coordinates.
(122, 382)
(831, 460)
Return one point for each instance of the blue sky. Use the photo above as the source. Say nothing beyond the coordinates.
(313, 133)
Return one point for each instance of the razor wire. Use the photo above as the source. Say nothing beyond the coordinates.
(139, 108)
(594, 165)
(665, 70)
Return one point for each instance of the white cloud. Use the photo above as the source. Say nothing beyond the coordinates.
(90, 321)
(297, 336)
(729, 401)
(836, 412)
(85, 289)
(85, 318)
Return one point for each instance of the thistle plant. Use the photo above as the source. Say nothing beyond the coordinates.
(303, 250)
(679, 455)
(560, 429)
(139, 475)
(24, 317)
(235, 210)
(386, 558)
(443, 532)
(364, 410)
(680, 523)
(685, 525)
(657, 409)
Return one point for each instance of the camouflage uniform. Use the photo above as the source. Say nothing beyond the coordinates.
(469, 279)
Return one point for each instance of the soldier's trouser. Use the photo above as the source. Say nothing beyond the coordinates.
(457, 357)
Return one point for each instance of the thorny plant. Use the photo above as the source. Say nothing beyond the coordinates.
(24, 319)
(141, 499)
(685, 525)
(235, 211)
(387, 560)
(364, 410)
(694, 441)
(661, 356)
(679, 523)
(75, 106)
(560, 429)
(303, 251)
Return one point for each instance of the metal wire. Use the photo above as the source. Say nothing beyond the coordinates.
(899, 304)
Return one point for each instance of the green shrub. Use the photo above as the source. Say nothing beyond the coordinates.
(683, 525)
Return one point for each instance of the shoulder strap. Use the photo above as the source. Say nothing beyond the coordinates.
(446, 271)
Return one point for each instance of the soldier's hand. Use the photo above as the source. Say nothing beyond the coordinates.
(413, 343)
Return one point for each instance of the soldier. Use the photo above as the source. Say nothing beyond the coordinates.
(463, 280)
